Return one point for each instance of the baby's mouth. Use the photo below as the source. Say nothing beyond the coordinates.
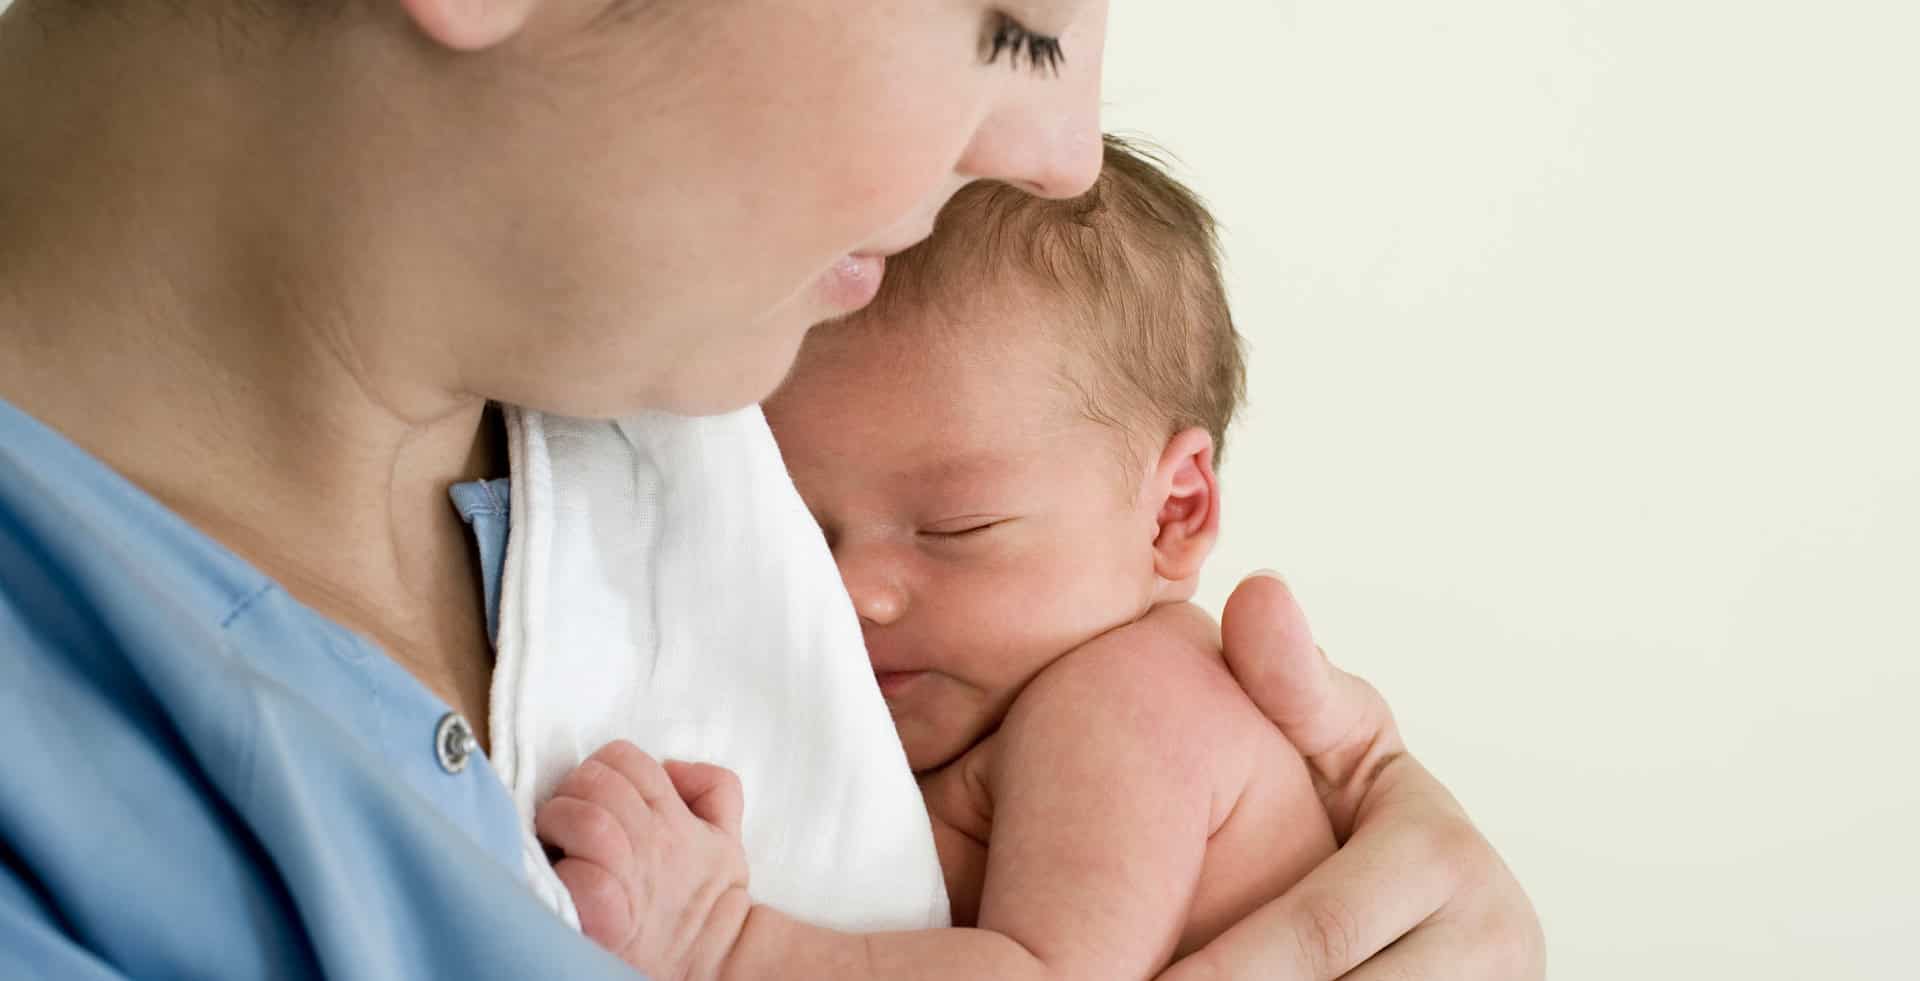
(895, 683)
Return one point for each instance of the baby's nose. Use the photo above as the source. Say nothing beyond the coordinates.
(877, 594)
(879, 606)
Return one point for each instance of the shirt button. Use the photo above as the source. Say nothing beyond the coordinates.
(453, 742)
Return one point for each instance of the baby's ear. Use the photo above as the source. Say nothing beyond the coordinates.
(1188, 497)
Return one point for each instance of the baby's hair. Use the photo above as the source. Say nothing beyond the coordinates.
(1136, 262)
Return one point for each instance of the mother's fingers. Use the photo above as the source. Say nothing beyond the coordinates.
(1436, 953)
(1491, 947)
(1401, 868)
(1414, 878)
(1272, 652)
(1337, 721)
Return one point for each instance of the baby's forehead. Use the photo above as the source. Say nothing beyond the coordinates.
(987, 330)
(977, 401)
(1119, 291)
(981, 357)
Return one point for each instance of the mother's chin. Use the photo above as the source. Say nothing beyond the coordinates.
(706, 373)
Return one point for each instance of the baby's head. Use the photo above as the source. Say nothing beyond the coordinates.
(1012, 450)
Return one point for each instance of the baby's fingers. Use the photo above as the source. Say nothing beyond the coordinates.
(587, 831)
(712, 793)
(606, 911)
(599, 782)
(642, 772)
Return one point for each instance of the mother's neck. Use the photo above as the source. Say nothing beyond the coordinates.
(197, 313)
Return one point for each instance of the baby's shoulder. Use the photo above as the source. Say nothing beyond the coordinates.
(1162, 677)
(1174, 645)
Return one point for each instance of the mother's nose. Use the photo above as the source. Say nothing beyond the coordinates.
(1043, 135)
(1047, 157)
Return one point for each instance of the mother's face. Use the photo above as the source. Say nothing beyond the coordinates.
(661, 196)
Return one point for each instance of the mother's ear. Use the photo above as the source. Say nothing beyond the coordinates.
(1187, 496)
(469, 25)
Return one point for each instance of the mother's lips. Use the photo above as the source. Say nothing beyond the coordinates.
(853, 281)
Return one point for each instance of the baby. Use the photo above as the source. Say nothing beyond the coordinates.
(1012, 453)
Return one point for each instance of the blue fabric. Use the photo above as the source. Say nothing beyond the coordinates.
(203, 778)
(484, 505)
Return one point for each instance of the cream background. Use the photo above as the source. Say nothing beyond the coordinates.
(1585, 421)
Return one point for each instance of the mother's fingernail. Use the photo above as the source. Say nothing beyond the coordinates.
(1268, 573)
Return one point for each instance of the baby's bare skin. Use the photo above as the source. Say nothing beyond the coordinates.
(1103, 794)
(1134, 805)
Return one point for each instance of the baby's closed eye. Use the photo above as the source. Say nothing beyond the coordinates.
(964, 526)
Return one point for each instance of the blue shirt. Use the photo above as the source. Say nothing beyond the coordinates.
(202, 778)
(484, 506)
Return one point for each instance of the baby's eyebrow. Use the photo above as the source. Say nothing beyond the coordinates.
(959, 467)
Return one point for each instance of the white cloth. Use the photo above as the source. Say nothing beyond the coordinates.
(664, 584)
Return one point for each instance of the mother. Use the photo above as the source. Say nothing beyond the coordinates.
(262, 267)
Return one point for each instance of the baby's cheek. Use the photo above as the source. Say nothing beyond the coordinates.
(1014, 603)
(946, 720)
(1072, 591)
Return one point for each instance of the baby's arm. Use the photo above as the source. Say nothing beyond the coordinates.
(1104, 792)
(654, 864)
(1104, 786)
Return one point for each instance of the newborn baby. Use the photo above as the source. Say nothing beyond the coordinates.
(1012, 455)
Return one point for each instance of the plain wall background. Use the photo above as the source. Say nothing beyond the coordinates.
(1585, 419)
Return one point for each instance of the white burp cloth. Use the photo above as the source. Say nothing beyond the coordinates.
(664, 584)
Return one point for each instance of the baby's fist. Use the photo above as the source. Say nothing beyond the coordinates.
(652, 858)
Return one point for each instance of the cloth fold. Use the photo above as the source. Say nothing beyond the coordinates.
(664, 584)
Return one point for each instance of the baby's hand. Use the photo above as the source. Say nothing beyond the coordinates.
(653, 859)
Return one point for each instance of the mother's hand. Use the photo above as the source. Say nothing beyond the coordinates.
(1414, 891)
